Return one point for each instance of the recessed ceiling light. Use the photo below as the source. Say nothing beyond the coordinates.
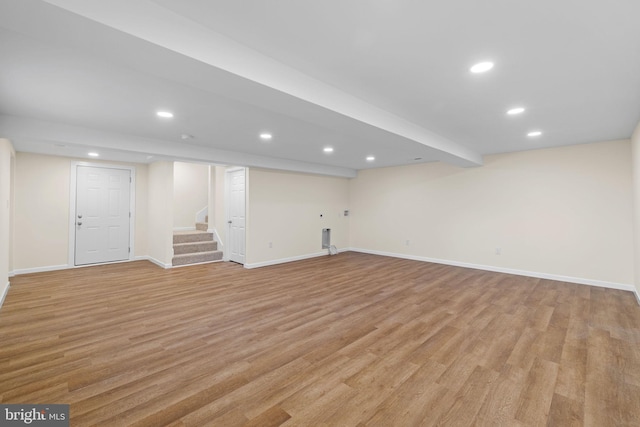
(534, 133)
(481, 67)
(514, 111)
(186, 136)
(93, 154)
(370, 158)
(266, 136)
(328, 149)
(165, 114)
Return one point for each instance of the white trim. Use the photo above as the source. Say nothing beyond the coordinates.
(635, 292)
(217, 239)
(48, 268)
(235, 168)
(285, 260)
(556, 277)
(201, 215)
(226, 256)
(4, 293)
(184, 228)
(154, 261)
(72, 205)
(44, 269)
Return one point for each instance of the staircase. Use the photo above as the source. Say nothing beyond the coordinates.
(194, 247)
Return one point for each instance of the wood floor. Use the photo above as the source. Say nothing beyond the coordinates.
(348, 340)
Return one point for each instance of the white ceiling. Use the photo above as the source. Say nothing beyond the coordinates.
(388, 78)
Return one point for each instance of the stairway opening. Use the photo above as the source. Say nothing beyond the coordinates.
(195, 246)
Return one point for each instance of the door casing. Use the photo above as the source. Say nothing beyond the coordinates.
(72, 206)
(231, 245)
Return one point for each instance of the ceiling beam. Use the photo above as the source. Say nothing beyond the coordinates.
(146, 20)
(39, 136)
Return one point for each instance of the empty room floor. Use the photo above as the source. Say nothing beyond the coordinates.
(347, 340)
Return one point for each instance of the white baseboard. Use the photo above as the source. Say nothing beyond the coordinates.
(153, 260)
(556, 277)
(41, 269)
(4, 293)
(66, 267)
(577, 280)
(285, 260)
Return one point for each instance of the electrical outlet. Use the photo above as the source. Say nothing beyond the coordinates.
(407, 242)
(270, 245)
(498, 251)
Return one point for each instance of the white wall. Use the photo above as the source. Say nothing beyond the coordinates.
(41, 223)
(42, 211)
(563, 212)
(635, 145)
(217, 213)
(160, 213)
(190, 192)
(284, 209)
(6, 206)
(219, 219)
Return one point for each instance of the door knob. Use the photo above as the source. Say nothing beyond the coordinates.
(79, 215)
(79, 223)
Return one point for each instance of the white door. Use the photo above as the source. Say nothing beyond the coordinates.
(236, 219)
(102, 215)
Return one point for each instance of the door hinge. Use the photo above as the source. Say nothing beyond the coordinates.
(130, 180)
(129, 249)
(129, 214)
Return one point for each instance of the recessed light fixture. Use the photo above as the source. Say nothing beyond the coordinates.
(534, 133)
(93, 154)
(266, 136)
(165, 114)
(370, 158)
(186, 136)
(481, 67)
(515, 111)
(328, 149)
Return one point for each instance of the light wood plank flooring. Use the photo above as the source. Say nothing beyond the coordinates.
(348, 340)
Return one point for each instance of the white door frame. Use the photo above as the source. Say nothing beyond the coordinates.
(227, 252)
(73, 181)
